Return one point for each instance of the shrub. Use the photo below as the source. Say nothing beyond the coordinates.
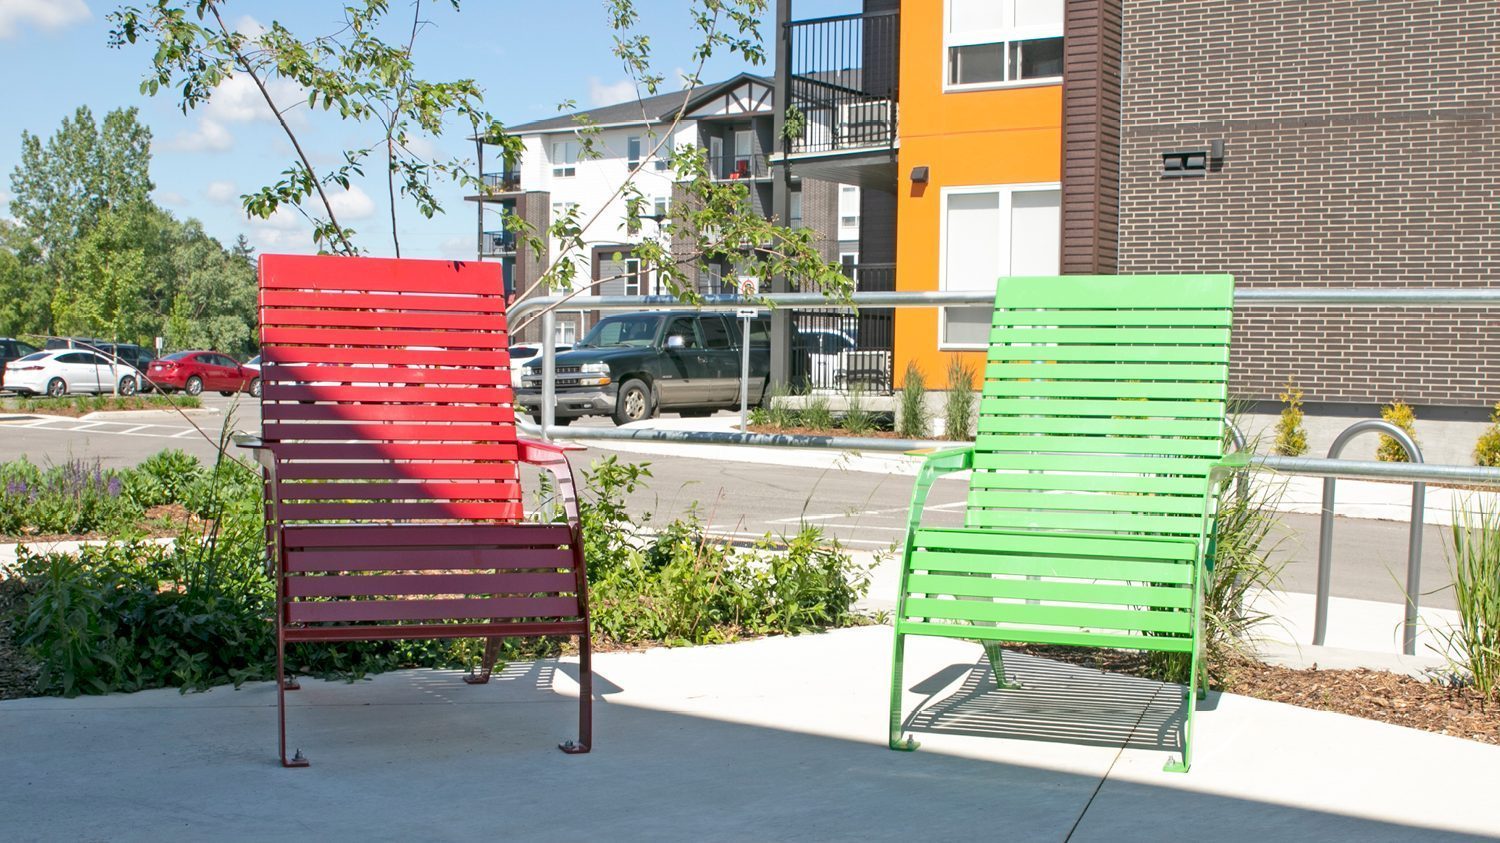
(163, 477)
(911, 417)
(858, 419)
(1291, 436)
(1487, 449)
(959, 402)
(134, 615)
(1400, 414)
(816, 413)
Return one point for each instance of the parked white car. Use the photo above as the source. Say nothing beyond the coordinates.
(63, 370)
(525, 352)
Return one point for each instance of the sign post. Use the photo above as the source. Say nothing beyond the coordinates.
(747, 289)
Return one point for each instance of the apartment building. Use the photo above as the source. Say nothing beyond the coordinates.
(1324, 142)
(731, 121)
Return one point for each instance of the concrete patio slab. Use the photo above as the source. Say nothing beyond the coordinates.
(777, 739)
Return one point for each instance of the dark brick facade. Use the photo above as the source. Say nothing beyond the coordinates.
(1361, 139)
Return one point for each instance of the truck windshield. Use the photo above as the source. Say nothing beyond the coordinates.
(635, 330)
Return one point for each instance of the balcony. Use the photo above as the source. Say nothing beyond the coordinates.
(843, 82)
(497, 244)
(504, 181)
(737, 167)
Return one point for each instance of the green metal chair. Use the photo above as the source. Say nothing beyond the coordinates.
(1094, 477)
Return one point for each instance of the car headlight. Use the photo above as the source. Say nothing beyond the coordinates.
(593, 374)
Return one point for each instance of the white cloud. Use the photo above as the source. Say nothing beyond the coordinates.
(210, 136)
(43, 14)
(221, 192)
(611, 93)
(456, 246)
(249, 27)
(352, 204)
(172, 197)
(423, 147)
(236, 100)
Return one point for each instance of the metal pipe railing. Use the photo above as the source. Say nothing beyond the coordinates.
(1414, 540)
(1416, 472)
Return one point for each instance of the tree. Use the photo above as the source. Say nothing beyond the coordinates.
(367, 79)
(61, 188)
(353, 70)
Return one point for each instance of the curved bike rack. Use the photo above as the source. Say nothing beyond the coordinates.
(1414, 542)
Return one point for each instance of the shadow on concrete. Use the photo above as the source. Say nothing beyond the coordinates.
(1056, 702)
(419, 755)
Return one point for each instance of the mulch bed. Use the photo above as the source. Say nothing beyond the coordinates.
(1371, 694)
(160, 522)
(18, 673)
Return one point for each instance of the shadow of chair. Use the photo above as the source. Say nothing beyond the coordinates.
(1056, 702)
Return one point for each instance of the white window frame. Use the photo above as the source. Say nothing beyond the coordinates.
(565, 166)
(1005, 37)
(1006, 192)
(854, 264)
(640, 151)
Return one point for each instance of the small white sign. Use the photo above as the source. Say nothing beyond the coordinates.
(749, 286)
(746, 313)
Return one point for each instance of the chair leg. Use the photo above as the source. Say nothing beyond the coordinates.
(585, 701)
(297, 760)
(996, 655)
(897, 742)
(1187, 722)
(486, 664)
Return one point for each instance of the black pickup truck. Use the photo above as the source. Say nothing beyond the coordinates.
(634, 365)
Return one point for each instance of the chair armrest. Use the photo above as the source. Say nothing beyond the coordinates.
(1229, 464)
(936, 464)
(251, 442)
(553, 459)
(537, 452)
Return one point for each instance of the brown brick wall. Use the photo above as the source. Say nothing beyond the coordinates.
(1361, 139)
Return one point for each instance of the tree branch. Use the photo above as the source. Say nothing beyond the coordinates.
(260, 85)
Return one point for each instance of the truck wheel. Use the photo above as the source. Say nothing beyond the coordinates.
(634, 403)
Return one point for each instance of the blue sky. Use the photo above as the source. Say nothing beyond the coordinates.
(527, 55)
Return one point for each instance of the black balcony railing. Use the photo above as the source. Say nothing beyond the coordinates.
(833, 350)
(843, 81)
(495, 243)
(732, 167)
(504, 181)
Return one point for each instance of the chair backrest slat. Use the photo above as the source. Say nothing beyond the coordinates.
(386, 390)
(1103, 405)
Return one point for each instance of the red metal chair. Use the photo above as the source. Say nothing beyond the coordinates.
(391, 458)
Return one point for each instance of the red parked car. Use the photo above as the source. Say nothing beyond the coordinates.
(194, 371)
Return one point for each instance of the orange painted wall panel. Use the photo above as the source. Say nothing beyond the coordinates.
(1004, 136)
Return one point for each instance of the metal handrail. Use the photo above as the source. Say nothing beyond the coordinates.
(1414, 540)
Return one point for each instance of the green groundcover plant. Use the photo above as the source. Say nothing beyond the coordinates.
(196, 613)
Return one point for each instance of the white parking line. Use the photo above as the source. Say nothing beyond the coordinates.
(134, 429)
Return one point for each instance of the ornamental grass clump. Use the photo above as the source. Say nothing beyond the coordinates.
(817, 414)
(1244, 564)
(858, 419)
(959, 401)
(911, 415)
(1474, 564)
(1291, 436)
(1400, 414)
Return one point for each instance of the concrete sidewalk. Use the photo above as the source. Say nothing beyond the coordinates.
(777, 739)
